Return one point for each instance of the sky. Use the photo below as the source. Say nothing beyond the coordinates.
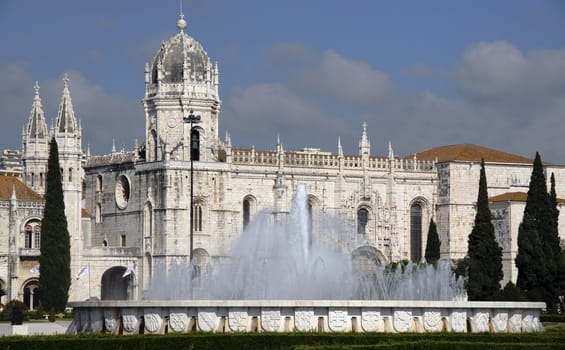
(421, 74)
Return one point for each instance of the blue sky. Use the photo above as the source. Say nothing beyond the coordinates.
(420, 73)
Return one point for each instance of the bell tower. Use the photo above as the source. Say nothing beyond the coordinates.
(181, 81)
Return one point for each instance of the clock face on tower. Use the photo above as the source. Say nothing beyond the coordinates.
(122, 192)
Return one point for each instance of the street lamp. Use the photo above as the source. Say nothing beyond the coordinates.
(192, 119)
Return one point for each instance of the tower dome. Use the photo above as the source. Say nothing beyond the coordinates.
(179, 55)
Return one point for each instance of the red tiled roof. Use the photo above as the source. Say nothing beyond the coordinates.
(515, 197)
(470, 152)
(23, 192)
(84, 213)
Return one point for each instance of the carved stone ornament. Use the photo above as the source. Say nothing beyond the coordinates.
(515, 323)
(237, 320)
(270, 320)
(402, 321)
(110, 322)
(458, 321)
(500, 322)
(207, 321)
(337, 320)
(371, 321)
(432, 321)
(152, 322)
(130, 323)
(530, 323)
(304, 320)
(479, 322)
(178, 322)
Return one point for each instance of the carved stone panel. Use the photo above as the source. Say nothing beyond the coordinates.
(432, 321)
(371, 321)
(207, 321)
(178, 322)
(152, 322)
(515, 322)
(96, 320)
(402, 321)
(458, 321)
(500, 322)
(304, 319)
(479, 322)
(530, 323)
(237, 320)
(270, 319)
(111, 321)
(130, 321)
(337, 320)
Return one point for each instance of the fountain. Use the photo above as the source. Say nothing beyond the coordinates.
(284, 276)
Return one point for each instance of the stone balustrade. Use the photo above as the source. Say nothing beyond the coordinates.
(174, 316)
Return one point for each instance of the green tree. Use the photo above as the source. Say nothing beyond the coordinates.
(55, 259)
(485, 255)
(432, 244)
(541, 207)
(530, 260)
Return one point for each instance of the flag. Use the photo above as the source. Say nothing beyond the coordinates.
(35, 269)
(83, 271)
(129, 271)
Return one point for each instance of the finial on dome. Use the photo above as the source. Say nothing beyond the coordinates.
(181, 23)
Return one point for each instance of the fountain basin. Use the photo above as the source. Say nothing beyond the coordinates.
(393, 316)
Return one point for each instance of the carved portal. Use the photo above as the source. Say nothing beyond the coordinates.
(402, 321)
(337, 320)
(271, 319)
(304, 320)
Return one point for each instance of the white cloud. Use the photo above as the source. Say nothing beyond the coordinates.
(104, 117)
(351, 81)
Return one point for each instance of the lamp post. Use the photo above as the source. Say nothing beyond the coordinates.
(192, 119)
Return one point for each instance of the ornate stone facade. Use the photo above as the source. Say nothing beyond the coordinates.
(130, 210)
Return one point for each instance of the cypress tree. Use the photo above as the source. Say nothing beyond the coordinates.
(541, 206)
(432, 244)
(530, 260)
(55, 259)
(485, 255)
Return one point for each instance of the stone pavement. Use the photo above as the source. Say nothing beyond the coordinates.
(38, 327)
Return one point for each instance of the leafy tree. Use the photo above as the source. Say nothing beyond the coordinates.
(485, 255)
(511, 292)
(432, 244)
(55, 259)
(541, 207)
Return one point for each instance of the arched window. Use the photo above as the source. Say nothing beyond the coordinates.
(362, 220)
(32, 179)
(98, 214)
(31, 295)
(197, 217)
(246, 212)
(416, 232)
(32, 234)
(99, 183)
(70, 174)
(194, 145)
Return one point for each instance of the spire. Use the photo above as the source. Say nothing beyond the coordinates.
(390, 151)
(364, 144)
(37, 127)
(181, 23)
(66, 121)
(339, 148)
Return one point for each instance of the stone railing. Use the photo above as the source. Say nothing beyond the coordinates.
(174, 316)
(293, 159)
(112, 158)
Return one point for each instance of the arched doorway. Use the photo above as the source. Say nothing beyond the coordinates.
(115, 286)
(31, 294)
